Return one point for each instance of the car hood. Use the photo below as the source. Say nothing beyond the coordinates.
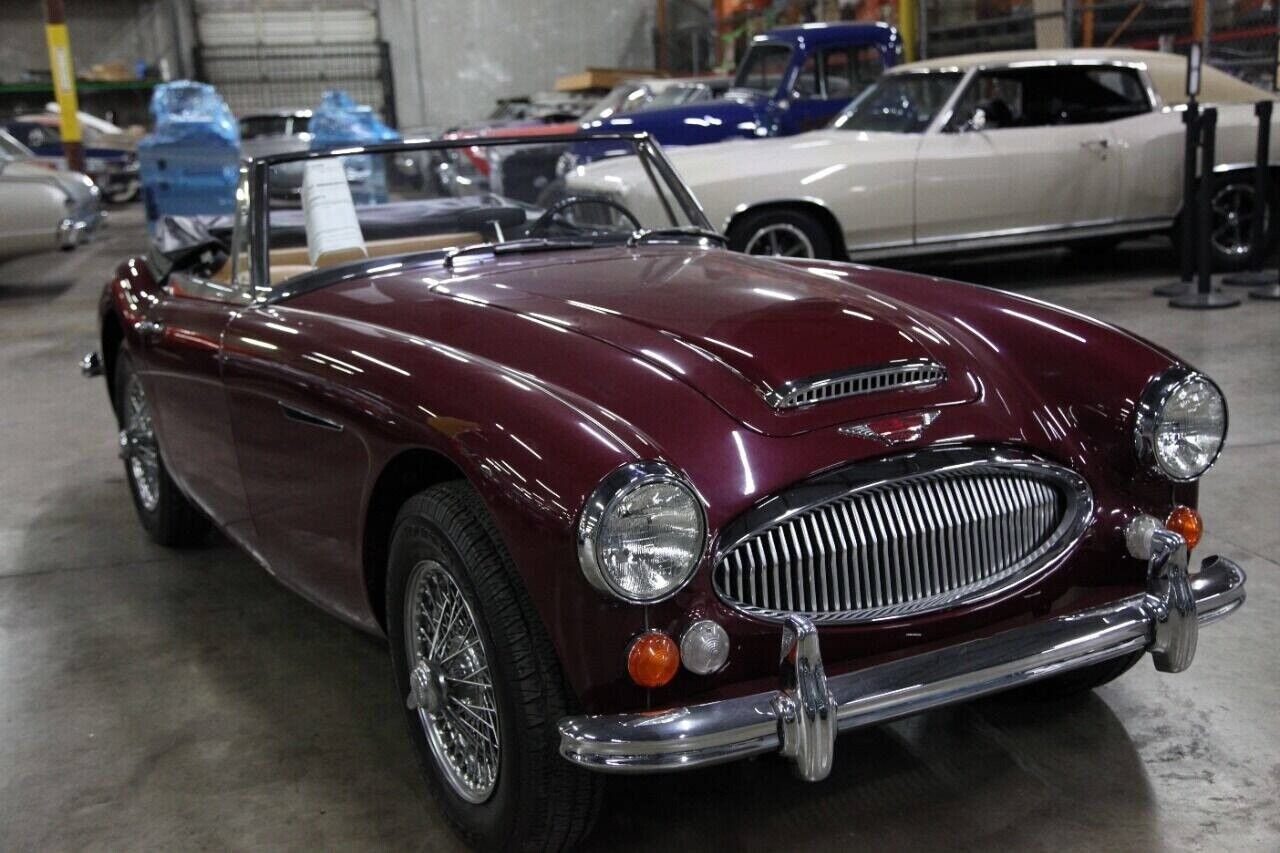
(730, 115)
(733, 327)
(73, 184)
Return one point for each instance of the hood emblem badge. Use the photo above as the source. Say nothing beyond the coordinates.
(894, 429)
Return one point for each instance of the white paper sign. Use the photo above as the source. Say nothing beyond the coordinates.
(332, 225)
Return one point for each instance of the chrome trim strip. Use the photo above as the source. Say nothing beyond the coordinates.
(716, 732)
(1012, 237)
(936, 486)
(890, 376)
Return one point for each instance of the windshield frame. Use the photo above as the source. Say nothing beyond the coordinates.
(647, 150)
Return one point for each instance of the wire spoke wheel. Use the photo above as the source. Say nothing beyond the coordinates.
(781, 239)
(1234, 208)
(450, 683)
(138, 446)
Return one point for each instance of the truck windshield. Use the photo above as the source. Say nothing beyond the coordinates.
(900, 103)
(763, 68)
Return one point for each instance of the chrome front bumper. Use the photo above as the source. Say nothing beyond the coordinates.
(801, 719)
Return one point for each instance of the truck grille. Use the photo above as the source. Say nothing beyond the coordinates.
(908, 545)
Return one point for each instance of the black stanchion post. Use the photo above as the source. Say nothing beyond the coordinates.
(1186, 257)
(1190, 118)
(1260, 225)
(1205, 295)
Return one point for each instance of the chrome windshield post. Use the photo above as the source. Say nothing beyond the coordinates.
(1171, 603)
(805, 706)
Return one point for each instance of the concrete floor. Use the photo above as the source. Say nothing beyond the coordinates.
(152, 699)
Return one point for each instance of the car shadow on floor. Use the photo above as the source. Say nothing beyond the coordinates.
(227, 711)
(43, 289)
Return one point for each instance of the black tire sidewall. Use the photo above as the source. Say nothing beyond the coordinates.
(742, 230)
(418, 537)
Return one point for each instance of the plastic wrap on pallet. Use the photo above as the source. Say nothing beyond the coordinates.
(189, 163)
(340, 121)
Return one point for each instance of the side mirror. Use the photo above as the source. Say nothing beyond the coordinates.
(977, 121)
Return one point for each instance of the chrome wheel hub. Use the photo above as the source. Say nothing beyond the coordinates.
(780, 238)
(428, 688)
(138, 446)
(450, 685)
(1234, 210)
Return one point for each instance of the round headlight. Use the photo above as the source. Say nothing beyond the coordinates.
(641, 533)
(1182, 420)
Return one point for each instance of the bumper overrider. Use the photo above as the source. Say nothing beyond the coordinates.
(800, 720)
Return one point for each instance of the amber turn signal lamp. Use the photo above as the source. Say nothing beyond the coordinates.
(653, 659)
(1186, 522)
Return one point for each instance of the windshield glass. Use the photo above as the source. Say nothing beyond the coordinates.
(428, 197)
(763, 68)
(623, 98)
(900, 103)
(677, 94)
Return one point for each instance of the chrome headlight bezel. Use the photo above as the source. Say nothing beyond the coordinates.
(1150, 410)
(615, 486)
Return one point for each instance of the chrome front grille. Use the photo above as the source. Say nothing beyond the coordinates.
(905, 373)
(910, 544)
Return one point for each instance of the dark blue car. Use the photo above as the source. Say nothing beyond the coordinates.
(790, 80)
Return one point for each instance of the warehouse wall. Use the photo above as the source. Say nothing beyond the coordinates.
(101, 31)
(452, 59)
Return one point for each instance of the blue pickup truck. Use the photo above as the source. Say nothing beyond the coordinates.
(790, 80)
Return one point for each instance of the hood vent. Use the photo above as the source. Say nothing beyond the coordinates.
(904, 373)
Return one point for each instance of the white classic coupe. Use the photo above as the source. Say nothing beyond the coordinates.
(980, 152)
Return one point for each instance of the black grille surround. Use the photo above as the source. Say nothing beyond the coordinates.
(901, 536)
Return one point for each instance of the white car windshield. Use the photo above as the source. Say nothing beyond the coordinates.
(900, 103)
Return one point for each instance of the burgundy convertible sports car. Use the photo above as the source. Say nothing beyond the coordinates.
(623, 501)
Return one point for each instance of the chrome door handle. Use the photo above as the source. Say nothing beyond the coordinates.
(149, 330)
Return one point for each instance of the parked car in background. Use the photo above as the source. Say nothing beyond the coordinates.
(653, 93)
(538, 108)
(526, 172)
(987, 151)
(111, 158)
(790, 80)
(277, 132)
(623, 501)
(42, 208)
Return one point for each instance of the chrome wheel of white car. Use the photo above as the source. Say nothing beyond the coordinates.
(1235, 206)
(450, 683)
(781, 239)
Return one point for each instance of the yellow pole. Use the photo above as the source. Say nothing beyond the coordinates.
(907, 27)
(64, 82)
